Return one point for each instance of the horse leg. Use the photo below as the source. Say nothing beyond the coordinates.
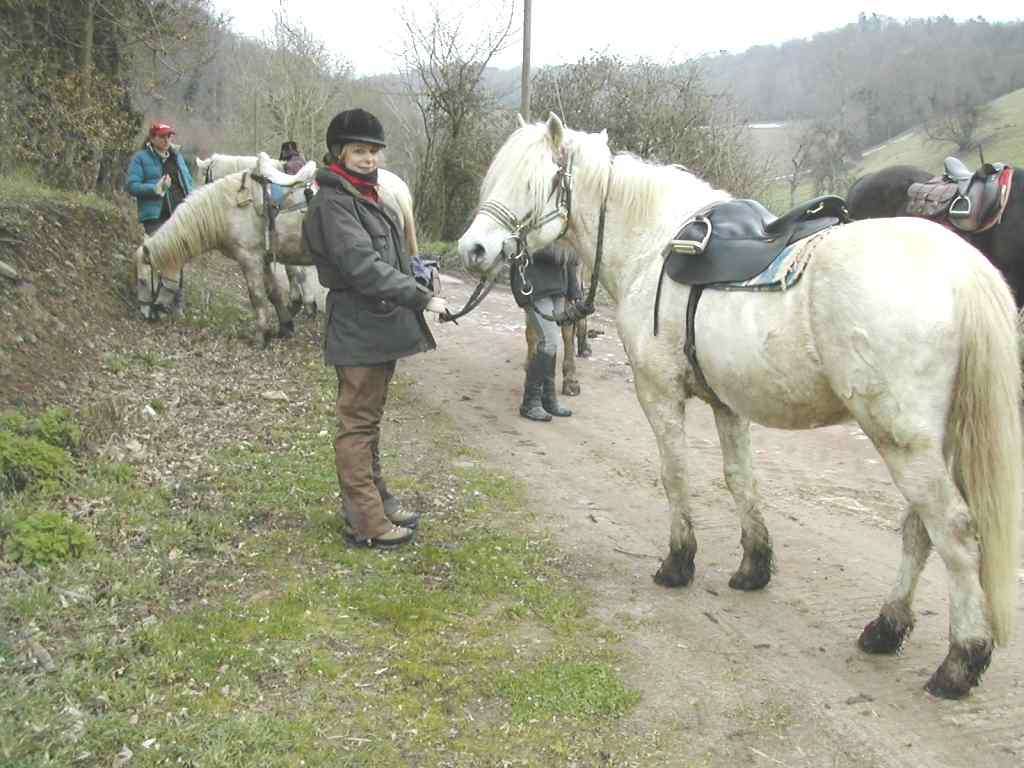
(253, 271)
(668, 422)
(755, 570)
(582, 341)
(276, 281)
(921, 475)
(887, 633)
(531, 345)
(570, 384)
(295, 294)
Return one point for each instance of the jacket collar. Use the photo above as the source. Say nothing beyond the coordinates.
(328, 178)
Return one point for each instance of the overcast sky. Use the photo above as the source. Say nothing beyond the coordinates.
(369, 33)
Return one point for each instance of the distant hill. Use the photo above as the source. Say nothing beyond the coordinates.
(1001, 134)
(1001, 137)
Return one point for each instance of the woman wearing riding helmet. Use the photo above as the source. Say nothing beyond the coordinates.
(374, 317)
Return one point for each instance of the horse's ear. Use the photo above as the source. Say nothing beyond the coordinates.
(604, 135)
(555, 129)
(519, 117)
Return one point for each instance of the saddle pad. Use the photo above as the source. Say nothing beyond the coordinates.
(781, 274)
(930, 198)
(278, 194)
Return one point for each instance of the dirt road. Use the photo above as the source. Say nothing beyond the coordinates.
(765, 678)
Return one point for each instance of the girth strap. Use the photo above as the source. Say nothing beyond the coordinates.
(690, 345)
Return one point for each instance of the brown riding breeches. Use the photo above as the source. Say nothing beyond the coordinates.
(362, 393)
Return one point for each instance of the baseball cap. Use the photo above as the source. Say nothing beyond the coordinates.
(160, 129)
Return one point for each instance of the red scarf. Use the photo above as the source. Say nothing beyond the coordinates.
(366, 188)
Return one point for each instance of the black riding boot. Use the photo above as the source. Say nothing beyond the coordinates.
(549, 400)
(533, 391)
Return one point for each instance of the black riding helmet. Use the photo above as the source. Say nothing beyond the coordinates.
(354, 125)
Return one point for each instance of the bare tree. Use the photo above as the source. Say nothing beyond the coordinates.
(68, 71)
(444, 64)
(302, 82)
(664, 113)
(829, 148)
(955, 119)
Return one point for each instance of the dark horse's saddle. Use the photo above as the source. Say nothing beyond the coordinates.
(728, 244)
(971, 201)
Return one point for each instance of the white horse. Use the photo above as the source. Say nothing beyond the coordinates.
(896, 323)
(227, 215)
(304, 290)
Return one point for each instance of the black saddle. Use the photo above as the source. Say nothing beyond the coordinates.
(735, 240)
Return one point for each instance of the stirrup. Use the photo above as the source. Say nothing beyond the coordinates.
(961, 206)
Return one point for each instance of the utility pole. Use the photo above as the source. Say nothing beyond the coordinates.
(524, 104)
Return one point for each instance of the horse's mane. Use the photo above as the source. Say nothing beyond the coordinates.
(639, 188)
(198, 225)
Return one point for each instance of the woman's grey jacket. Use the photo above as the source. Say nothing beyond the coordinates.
(375, 307)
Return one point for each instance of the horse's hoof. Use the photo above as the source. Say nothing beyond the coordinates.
(961, 670)
(267, 336)
(676, 570)
(286, 329)
(883, 636)
(570, 388)
(750, 582)
(754, 572)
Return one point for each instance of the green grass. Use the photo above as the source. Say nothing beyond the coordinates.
(26, 187)
(231, 627)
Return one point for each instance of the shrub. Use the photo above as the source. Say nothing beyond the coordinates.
(27, 461)
(56, 427)
(47, 537)
(14, 421)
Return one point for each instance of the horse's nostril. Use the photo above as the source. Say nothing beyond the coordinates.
(477, 253)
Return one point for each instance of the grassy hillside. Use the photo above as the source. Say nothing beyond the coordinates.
(1002, 138)
(1001, 134)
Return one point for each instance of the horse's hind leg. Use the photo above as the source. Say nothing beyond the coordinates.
(253, 271)
(276, 280)
(896, 620)
(582, 340)
(755, 569)
(667, 418)
(920, 473)
(570, 384)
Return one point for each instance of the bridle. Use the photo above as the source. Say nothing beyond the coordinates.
(561, 191)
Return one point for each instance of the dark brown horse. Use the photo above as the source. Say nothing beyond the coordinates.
(884, 194)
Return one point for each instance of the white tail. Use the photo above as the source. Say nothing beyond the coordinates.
(985, 434)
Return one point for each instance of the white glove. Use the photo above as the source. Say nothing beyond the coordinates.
(437, 304)
(162, 185)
